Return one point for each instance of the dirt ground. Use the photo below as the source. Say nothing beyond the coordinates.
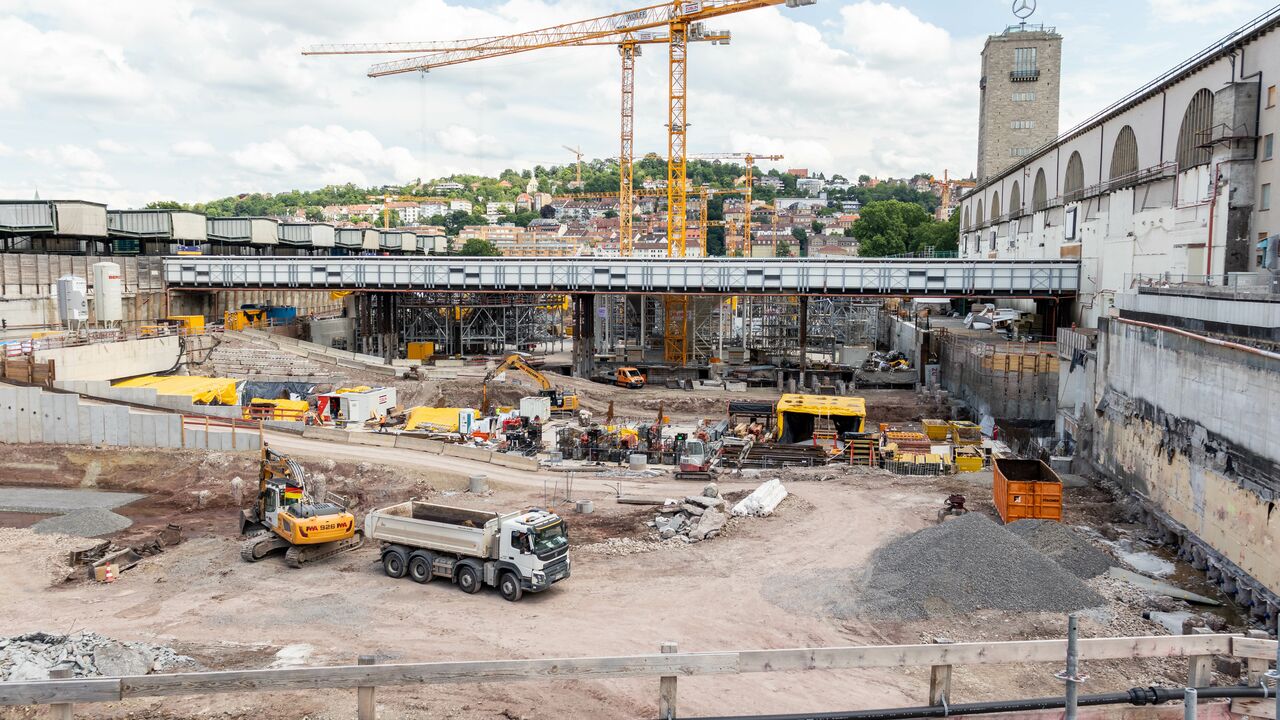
(200, 598)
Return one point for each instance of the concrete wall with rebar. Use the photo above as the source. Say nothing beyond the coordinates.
(1006, 382)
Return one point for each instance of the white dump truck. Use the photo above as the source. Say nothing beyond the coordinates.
(518, 552)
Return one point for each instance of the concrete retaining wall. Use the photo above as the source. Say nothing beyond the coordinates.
(29, 415)
(112, 361)
(320, 353)
(1191, 425)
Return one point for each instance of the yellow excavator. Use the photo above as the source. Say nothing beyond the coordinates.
(561, 402)
(285, 517)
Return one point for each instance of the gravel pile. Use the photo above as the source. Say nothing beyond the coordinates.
(89, 522)
(1065, 546)
(32, 656)
(967, 564)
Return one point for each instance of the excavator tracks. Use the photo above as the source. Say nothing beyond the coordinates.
(259, 545)
(298, 555)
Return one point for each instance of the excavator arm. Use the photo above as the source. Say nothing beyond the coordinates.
(513, 362)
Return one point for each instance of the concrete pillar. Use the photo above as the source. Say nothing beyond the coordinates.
(584, 312)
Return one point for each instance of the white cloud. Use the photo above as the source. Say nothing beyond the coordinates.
(461, 140)
(76, 65)
(108, 145)
(193, 149)
(66, 157)
(5, 150)
(327, 152)
(1182, 11)
(880, 33)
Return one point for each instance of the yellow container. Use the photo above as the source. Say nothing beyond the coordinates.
(421, 350)
(966, 433)
(968, 459)
(189, 324)
(937, 430)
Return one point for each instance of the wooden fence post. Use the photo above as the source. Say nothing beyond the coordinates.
(667, 689)
(365, 706)
(940, 679)
(61, 711)
(1200, 667)
(1257, 667)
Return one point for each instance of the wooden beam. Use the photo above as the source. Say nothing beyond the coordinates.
(1251, 647)
(1256, 666)
(1255, 708)
(366, 707)
(42, 692)
(940, 679)
(1200, 667)
(667, 689)
(352, 676)
(996, 653)
(61, 711)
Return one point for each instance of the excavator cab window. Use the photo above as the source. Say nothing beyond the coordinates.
(273, 499)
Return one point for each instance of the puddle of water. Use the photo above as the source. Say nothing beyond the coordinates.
(293, 655)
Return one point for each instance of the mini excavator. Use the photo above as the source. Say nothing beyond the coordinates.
(285, 517)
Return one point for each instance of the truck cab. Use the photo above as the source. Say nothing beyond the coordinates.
(537, 545)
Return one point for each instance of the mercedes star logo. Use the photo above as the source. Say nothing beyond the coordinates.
(1024, 8)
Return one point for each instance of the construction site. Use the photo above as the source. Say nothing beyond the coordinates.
(257, 468)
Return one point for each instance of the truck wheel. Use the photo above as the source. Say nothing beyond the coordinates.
(420, 568)
(469, 580)
(394, 563)
(509, 586)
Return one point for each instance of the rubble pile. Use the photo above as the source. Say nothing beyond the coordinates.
(32, 656)
(695, 518)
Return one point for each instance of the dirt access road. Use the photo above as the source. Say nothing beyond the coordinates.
(201, 599)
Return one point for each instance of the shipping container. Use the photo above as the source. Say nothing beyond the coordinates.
(1026, 489)
(22, 217)
(77, 218)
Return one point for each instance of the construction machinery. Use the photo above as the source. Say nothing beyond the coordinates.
(749, 160)
(286, 517)
(561, 402)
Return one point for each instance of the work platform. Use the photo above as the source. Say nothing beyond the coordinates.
(709, 276)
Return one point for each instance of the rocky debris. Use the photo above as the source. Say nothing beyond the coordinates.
(967, 564)
(762, 500)
(1069, 549)
(694, 518)
(621, 547)
(88, 522)
(32, 656)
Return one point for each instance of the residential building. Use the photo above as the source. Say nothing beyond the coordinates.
(448, 187)
(1018, 96)
(798, 172)
(811, 186)
(458, 204)
(409, 212)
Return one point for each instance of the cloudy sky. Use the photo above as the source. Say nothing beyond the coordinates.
(127, 101)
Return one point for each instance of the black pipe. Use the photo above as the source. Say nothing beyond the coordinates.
(1135, 696)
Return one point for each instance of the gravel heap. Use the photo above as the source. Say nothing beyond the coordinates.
(1064, 546)
(967, 564)
(88, 522)
(32, 656)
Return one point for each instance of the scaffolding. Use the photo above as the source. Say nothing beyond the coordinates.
(458, 323)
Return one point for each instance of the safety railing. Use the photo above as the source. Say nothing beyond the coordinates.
(668, 665)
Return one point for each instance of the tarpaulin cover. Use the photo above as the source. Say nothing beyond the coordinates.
(201, 390)
(280, 409)
(263, 389)
(433, 418)
(797, 413)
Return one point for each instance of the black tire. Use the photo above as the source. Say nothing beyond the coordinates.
(394, 562)
(509, 586)
(469, 580)
(420, 568)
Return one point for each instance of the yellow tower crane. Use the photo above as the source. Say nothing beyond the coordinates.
(577, 153)
(629, 48)
(748, 160)
(679, 17)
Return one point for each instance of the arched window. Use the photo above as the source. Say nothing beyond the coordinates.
(1015, 200)
(1195, 121)
(995, 205)
(1039, 193)
(1124, 155)
(981, 217)
(967, 225)
(1073, 183)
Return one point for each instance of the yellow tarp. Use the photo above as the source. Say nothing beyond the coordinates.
(356, 389)
(433, 418)
(201, 390)
(822, 406)
(276, 409)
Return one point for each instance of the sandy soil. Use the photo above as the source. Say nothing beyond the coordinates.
(203, 600)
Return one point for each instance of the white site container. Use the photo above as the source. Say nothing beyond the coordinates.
(108, 293)
(73, 300)
(535, 407)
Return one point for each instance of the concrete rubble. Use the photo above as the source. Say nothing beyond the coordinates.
(694, 518)
(34, 655)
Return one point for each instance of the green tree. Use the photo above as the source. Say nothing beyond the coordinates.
(885, 227)
(715, 241)
(547, 212)
(521, 219)
(938, 236)
(478, 247)
(611, 213)
(315, 213)
(166, 205)
(393, 217)
(817, 227)
(782, 248)
(864, 179)
(802, 241)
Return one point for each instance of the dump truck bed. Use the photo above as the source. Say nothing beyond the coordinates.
(442, 528)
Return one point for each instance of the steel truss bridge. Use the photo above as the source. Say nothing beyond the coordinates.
(867, 277)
